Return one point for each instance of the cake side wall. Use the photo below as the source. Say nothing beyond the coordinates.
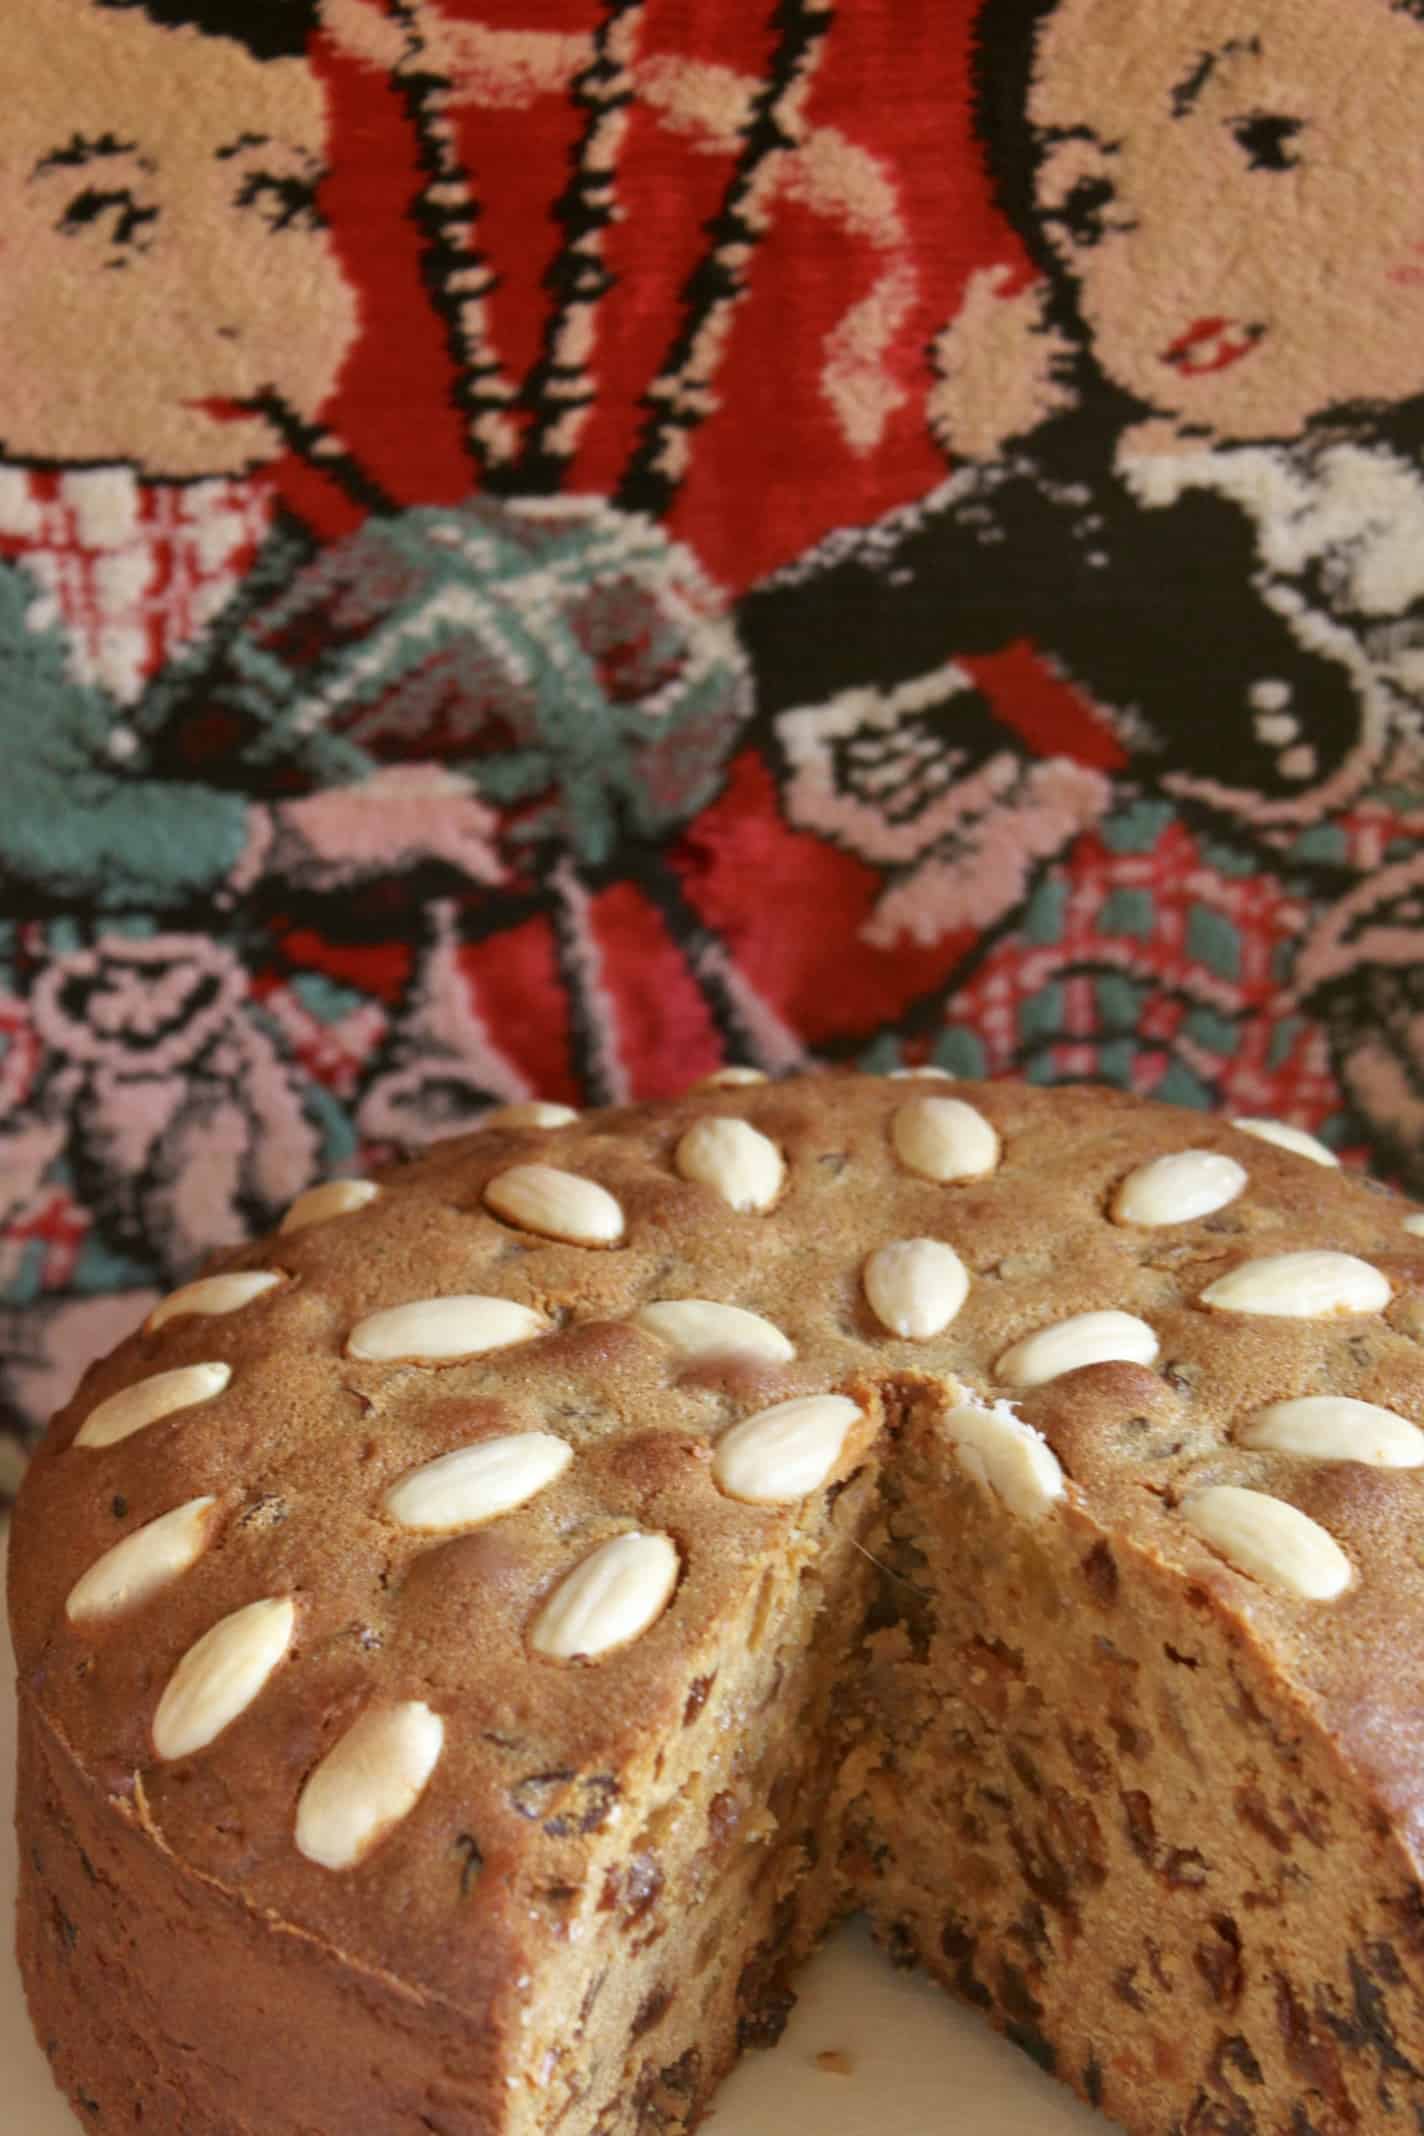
(162, 1998)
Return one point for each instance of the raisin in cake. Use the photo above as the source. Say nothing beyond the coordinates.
(471, 1645)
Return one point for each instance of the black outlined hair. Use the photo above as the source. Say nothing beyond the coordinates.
(1005, 41)
(1002, 56)
(268, 29)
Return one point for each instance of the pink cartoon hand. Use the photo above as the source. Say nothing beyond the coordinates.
(998, 369)
(394, 820)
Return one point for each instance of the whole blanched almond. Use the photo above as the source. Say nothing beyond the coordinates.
(611, 1599)
(1415, 1225)
(368, 1783)
(149, 1400)
(944, 1139)
(701, 1327)
(556, 1205)
(433, 1331)
(221, 1675)
(909, 1075)
(915, 1287)
(1313, 1285)
(783, 1453)
(143, 1562)
(478, 1483)
(1007, 1457)
(530, 1112)
(1286, 1137)
(1179, 1188)
(335, 1197)
(735, 1159)
(1335, 1427)
(1103, 1338)
(214, 1294)
(1269, 1540)
(731, 1078)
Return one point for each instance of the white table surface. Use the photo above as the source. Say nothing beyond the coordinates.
(920, 2065)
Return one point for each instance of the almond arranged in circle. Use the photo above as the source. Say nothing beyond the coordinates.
(1414, 1225)
(556, 1205)
(609, 1600)
(915, 1287)
(434, 1331)
(944, 1139)
(1178, 1188)
(149, 1400)
(1286, 1137)
(214, 1294)
(1269, 1540)
(143, 1562)
(336, 1197)
(1007, 1457)
(1300, 1286)
(220, 1676)
(477, 1483)
(783, 1453)
(908, 1075)
(1103, 1338)
(735, 1159)
(368, 1783)
(530, 1112)
(1334, 1427)
(701, 1327)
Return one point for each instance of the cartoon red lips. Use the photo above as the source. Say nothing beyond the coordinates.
(1212, 344)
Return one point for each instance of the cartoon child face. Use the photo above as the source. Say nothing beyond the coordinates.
(1236, 189)
(160, 252)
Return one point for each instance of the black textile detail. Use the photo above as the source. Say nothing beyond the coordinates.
(586, 208)
(448, 243)
(268, 29)
(1157, 615)
(719, 278)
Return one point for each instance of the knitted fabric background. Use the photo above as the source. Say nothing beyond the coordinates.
(543, 548)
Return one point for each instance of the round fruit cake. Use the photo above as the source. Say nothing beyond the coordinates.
(471, 1644)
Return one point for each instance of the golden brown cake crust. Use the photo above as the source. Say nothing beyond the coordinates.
(540, 1758)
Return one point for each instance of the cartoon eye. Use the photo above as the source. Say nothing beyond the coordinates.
(285, 200)
(1083, 213)
(1268, 140)
(1080, 199)
(115, 215)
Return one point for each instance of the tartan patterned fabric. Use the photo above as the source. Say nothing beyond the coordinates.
(131, 571)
